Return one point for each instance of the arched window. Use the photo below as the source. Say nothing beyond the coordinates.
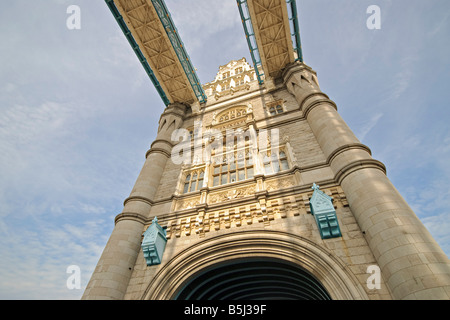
(279, 109)
(274, 110)
(186, 183)
(276, 162)
(193, 182)
(238, 167)
(283, 161)
(200, 180)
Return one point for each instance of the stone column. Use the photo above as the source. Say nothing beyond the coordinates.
(112, 274)
(411, 262)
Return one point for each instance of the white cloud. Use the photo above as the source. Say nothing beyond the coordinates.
(439, 25)
(22, 125)
(34, 261)
(418, 166)
(196, 20)
(402, 79)
(368, 125)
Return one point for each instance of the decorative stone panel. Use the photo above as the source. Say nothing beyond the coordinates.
(252, 211)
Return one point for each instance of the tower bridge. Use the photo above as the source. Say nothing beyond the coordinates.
(304, 220)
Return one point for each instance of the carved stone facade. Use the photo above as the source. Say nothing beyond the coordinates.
(252, 200)
(249, 212)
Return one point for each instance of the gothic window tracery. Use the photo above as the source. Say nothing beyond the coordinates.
(275, 162)
(194, 181)
(274, 110)
(235, 166)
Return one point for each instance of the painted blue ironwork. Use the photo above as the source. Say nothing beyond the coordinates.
(295, 29)
(154, 243)
(183, 57)
(137, 50)
(323, 210)
(251, 39)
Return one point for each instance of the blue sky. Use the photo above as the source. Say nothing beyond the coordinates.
(78, 114)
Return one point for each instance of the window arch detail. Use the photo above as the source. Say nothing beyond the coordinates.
(194, 180)
(275, 107)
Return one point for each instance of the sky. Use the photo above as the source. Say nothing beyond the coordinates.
(78, 113)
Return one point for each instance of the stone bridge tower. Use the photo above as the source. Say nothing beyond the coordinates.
(261, 190)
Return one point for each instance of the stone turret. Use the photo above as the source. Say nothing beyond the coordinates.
(112, 274)
(411, 261)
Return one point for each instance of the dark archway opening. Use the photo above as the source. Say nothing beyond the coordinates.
(253, 279)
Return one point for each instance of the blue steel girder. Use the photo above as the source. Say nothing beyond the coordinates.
(172, 33)
(295, 29)
(126, 31)
(249, 29)
(251, 41)
(176, 43)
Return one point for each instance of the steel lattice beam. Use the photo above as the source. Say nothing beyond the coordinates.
(273, 35)
(150, 30)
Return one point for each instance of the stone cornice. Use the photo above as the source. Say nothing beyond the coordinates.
(158, 150)
(347, 147)
(358, 165)
(131, 216)
(307, 107)
(138, 198)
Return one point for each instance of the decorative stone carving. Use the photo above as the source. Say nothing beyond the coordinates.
(195, 107)
(257, 211)
(231, 194)
(249, 108)
(279, 184)
(232, 113)
(187, 203)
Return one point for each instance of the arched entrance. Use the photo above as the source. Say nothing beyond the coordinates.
(254, 279)
(235, 256)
